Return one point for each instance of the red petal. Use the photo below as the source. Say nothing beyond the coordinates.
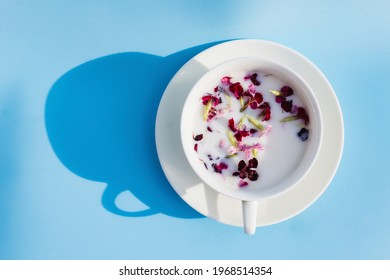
(222, 166)
(243, 174)
(198, 137)
(253, 105)
(215, 100)
(219, 167)
(267, 115)
(244, 133)
(253, 175)
(279, 99)
(242, 166)
(247, 93)
(287, 105)
(258, 97)
(265, 105)
(253, 79)
(303, 115)
(286, 91)
(236, 89)
(238, 136)
(205, 99)
(266, 111)
(252, 163)
(231, 125)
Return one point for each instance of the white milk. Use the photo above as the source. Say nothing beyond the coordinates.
(282, 148)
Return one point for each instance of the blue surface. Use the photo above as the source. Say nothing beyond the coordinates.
(80, 84)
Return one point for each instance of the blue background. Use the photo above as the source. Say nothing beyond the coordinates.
(80, 84)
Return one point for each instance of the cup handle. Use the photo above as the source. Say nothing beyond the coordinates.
(249, 215)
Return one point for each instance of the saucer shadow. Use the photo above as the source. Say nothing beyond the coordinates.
(100, 119)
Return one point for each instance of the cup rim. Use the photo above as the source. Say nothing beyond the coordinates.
(285, 184)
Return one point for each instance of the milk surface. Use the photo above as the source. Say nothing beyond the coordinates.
(281, 149)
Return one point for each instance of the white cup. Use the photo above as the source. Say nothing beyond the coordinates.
(251, 196)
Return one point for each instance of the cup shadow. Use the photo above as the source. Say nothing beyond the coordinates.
(100, 120)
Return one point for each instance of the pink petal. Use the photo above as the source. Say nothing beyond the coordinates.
(226, 80)
(252, 89)
(242, 183)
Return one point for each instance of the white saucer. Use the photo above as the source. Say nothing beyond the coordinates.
(204, 199)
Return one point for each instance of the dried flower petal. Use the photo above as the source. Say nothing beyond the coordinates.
(248, 154)
(196, 147)
(253, 102)
(266, 131)
(219, 167)
(245, 147)
(253, 105)
(226, 80)
(258, 97)
(215, 100)
(231, 150)
(279, 99)
(231, 125)
(303, 134)
(253, 175)
(251, 89)
(266, 111)
(253, 79)
(286, 91)
(252, 163)
(303, 115)
(236, 89)
(287, 105)
(242, 166)
(242, 183)
(241, 133)
(245, 171)
(198, 137)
